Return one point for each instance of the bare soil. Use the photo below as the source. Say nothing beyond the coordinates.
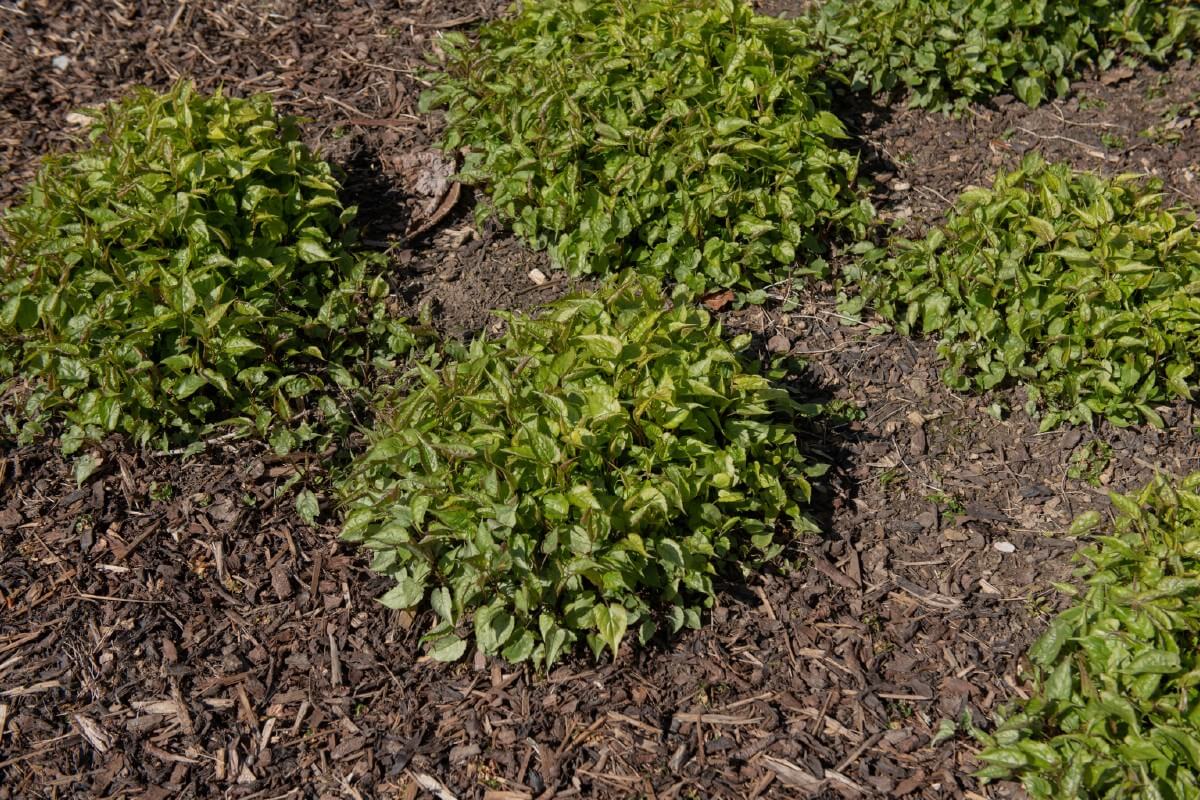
(173, 629)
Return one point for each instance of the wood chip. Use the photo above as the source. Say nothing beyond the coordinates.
(245, 775)
(449, 200)
(433, 786)
(718, 719)
(265, 738)
(348, 747)
(91, 730)
(34, 688)
(335, 663)
(165, 707)
(175, 758)
(792, 775)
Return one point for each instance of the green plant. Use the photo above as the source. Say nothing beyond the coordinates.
(1090, 461)
(188, 268)
(161, 491)
(685, 139)
(948, 53)
(589, 472)
(1113, 141)
(889, 476)
(1115, 702)
(1084, 288)
(1177, 118)
(947, 503)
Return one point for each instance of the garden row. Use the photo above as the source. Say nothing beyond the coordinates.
(191, 273)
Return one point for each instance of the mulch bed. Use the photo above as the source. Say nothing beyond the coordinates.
(173, 629)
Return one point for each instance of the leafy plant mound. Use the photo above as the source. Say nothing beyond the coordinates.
(1115, 706)
(687, 139)
(1084, 288)
(187, 269)
(586, 474)
(948, 53)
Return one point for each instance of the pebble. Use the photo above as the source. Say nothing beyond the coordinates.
(779, 344)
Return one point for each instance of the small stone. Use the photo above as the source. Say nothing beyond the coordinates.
(779, 344)
(462, 752)
(10, 518)
(1004, 547)
(537, 276)
(60, 62)
(955, 534)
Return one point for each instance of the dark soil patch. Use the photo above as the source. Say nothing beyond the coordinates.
(1144, 121)
(466, 274)
(172, 628)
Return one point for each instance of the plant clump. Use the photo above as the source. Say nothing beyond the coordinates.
(1084, 288)
(948, 53)
(189, 268)
(688, 140)
(588, 473)
(1115, 705)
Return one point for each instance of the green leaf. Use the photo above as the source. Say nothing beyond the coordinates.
(611, 622)
(554, 638)
(447, 648)
(1085, 523)
(407, 593)
(600, 346)
(730, 125)
(307, 506)
(240, 346)
(946, 731)
(188, 385)
(1029, 90)
(85, 466)
(311, 251)
(521, 647)
(1159, 662)
(1042, 229)
(493, 628)
(1049, 644)
(670, 553)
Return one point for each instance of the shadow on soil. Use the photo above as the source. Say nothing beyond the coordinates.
(383, 210)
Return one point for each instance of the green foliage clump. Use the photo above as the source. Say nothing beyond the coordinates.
(948, 53)
(587, 473)
(1115, 705)
(1084, 288)
(188, 268)
(685, 139)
